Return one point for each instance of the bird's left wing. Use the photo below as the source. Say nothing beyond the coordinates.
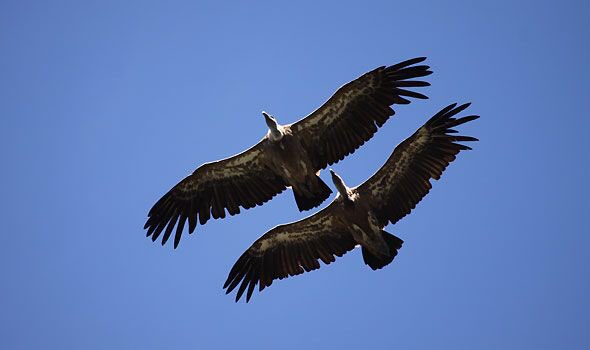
(289, 250)
(352, 115)
(242, 180)
(404, 179)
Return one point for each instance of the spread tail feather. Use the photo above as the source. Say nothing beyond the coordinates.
(314, 196)
(394, 243)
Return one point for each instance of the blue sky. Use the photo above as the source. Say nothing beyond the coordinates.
(105, 105)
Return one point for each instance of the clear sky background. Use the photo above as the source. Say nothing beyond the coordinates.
(107, 104)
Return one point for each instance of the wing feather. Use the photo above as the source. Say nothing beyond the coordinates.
(355, 112)
(243, 180)
(289, 250)
(404, 180)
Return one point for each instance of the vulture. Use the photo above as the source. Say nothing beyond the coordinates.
(288, 155)
(357, 215)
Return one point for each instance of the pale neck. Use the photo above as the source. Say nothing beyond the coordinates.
(275, 133)
(342, 189)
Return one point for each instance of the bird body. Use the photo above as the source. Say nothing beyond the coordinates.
(354, 213)
(286, 157)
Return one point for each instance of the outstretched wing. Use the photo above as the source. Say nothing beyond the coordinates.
(352, 115)
(289, 250)
(404, 180)
(242, 180)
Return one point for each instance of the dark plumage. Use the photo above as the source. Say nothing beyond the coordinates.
(358, 215)
(289, 155)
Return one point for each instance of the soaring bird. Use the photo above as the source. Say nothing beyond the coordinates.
(357, 215)
(288, 155)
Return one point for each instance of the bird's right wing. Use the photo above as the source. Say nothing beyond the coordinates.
(242, 180)
(354, 113)
(289, 250)
(404, 179)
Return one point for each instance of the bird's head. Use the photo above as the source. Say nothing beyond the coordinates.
(335, 177)
(270, 121)
(339, 183)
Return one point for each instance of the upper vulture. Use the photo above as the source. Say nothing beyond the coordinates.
(289, 155)
(358, 215)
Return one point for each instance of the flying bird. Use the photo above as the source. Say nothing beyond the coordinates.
(289, 155)
(357, 215)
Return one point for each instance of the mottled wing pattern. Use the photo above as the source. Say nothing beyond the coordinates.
(289, 250)
(404, 180)
(242, 180)
(355, 112)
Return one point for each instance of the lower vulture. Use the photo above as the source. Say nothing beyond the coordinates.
(358, 215)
